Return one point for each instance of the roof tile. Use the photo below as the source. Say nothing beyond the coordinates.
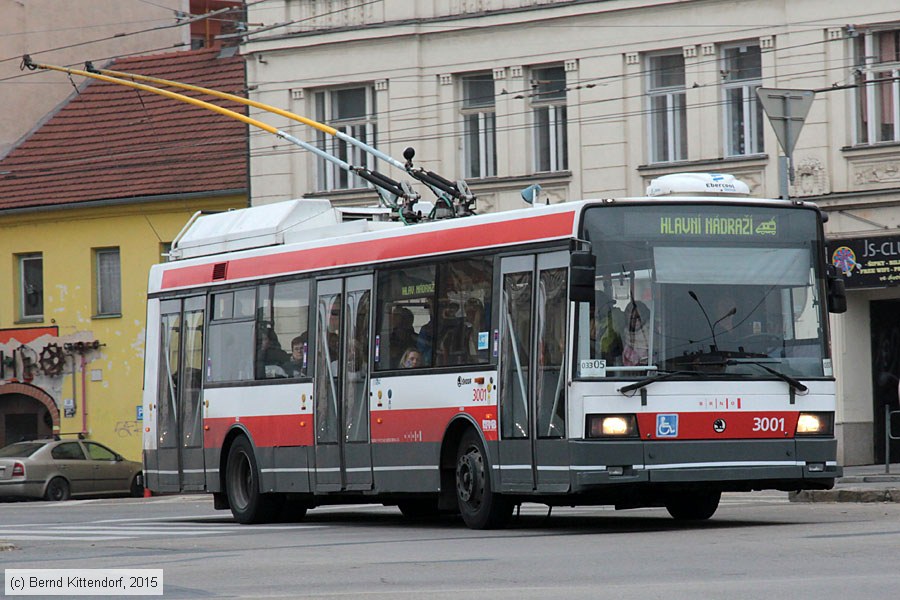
(112, 142)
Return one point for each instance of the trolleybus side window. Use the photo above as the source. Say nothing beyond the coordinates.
(282, 332)
(435, 315)
(230, 349)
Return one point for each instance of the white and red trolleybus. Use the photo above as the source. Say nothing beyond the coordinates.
(635, 352)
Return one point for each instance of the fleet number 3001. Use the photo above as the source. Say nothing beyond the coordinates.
(768, 423)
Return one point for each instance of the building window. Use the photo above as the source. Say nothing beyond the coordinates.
(108, 282)
(31, 287)
(877, 59)
(351, 111)
(668, 111)
(479, 125)
(742, 76)
(548, 104)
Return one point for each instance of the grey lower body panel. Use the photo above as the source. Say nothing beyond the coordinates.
(726, 465)
(406, 467)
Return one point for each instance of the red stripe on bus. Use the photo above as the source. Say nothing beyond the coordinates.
(737, 425)
(427, 424)
(266, 431)
(387, 426)
(542, 227)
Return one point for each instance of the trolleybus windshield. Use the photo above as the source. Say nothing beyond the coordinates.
(729, 290)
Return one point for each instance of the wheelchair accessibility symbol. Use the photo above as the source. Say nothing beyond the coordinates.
(666, 425)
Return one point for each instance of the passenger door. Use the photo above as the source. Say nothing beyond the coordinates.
(179, 401)
(533, 324)
(110, 473)
(70, 460)
(343, 326)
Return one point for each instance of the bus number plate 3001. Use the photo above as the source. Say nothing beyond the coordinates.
(594, 367)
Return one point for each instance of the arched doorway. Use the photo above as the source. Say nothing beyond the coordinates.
(26, 412)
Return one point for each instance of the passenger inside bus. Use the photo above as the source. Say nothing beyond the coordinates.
(411, 359)
(402, 334)
(636, 345)
(474, 325)
(607, 326)
(297, 364)
(270, 358)
(452, 338)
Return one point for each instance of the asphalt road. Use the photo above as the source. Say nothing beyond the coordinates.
(756, 546)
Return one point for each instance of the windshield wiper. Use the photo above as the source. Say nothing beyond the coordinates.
(659, 376)
(794, 383)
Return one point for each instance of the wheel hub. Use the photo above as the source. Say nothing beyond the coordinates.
(469, 474)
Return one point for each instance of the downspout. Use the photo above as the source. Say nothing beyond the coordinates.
(83, 396)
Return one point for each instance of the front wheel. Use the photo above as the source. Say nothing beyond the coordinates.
(692, 505)
(57, 490)
(479, 506)
(248, 505)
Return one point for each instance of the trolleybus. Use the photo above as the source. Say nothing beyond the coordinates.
(634, 352)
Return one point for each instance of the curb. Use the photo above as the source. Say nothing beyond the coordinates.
(846, 495)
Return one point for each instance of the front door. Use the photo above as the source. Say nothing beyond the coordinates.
(533, 450)
(343, 325)
(179, 402)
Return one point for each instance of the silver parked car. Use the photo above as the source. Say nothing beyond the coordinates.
(60, 469)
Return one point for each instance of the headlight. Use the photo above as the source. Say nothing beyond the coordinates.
(815, 424)
(619, 426)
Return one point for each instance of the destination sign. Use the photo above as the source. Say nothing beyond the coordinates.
(702, 223)
(417, 289)
(717, 226)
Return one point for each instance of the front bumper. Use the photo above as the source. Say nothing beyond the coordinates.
(732, 465)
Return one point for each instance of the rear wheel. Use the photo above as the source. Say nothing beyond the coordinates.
(248, 505)
(57, 490)
(479, 506)
(693, 505)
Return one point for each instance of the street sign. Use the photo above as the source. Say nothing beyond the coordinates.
(787, 110)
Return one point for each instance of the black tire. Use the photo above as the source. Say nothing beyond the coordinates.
(248, 505)
(57, 490)
(420, 508)
(692, 505)
(137, 486)
(479, 506)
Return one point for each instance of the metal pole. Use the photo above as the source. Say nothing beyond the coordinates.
(887, 438)
(783, 177)
(786, 167)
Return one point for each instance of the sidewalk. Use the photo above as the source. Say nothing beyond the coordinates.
(868, 483)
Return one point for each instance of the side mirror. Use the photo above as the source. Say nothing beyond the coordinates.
(582, 271)
(837, 295)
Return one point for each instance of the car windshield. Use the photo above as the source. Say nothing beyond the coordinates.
(21, 449)
(711, 288)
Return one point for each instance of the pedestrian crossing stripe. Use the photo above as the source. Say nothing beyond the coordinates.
(105, 531)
